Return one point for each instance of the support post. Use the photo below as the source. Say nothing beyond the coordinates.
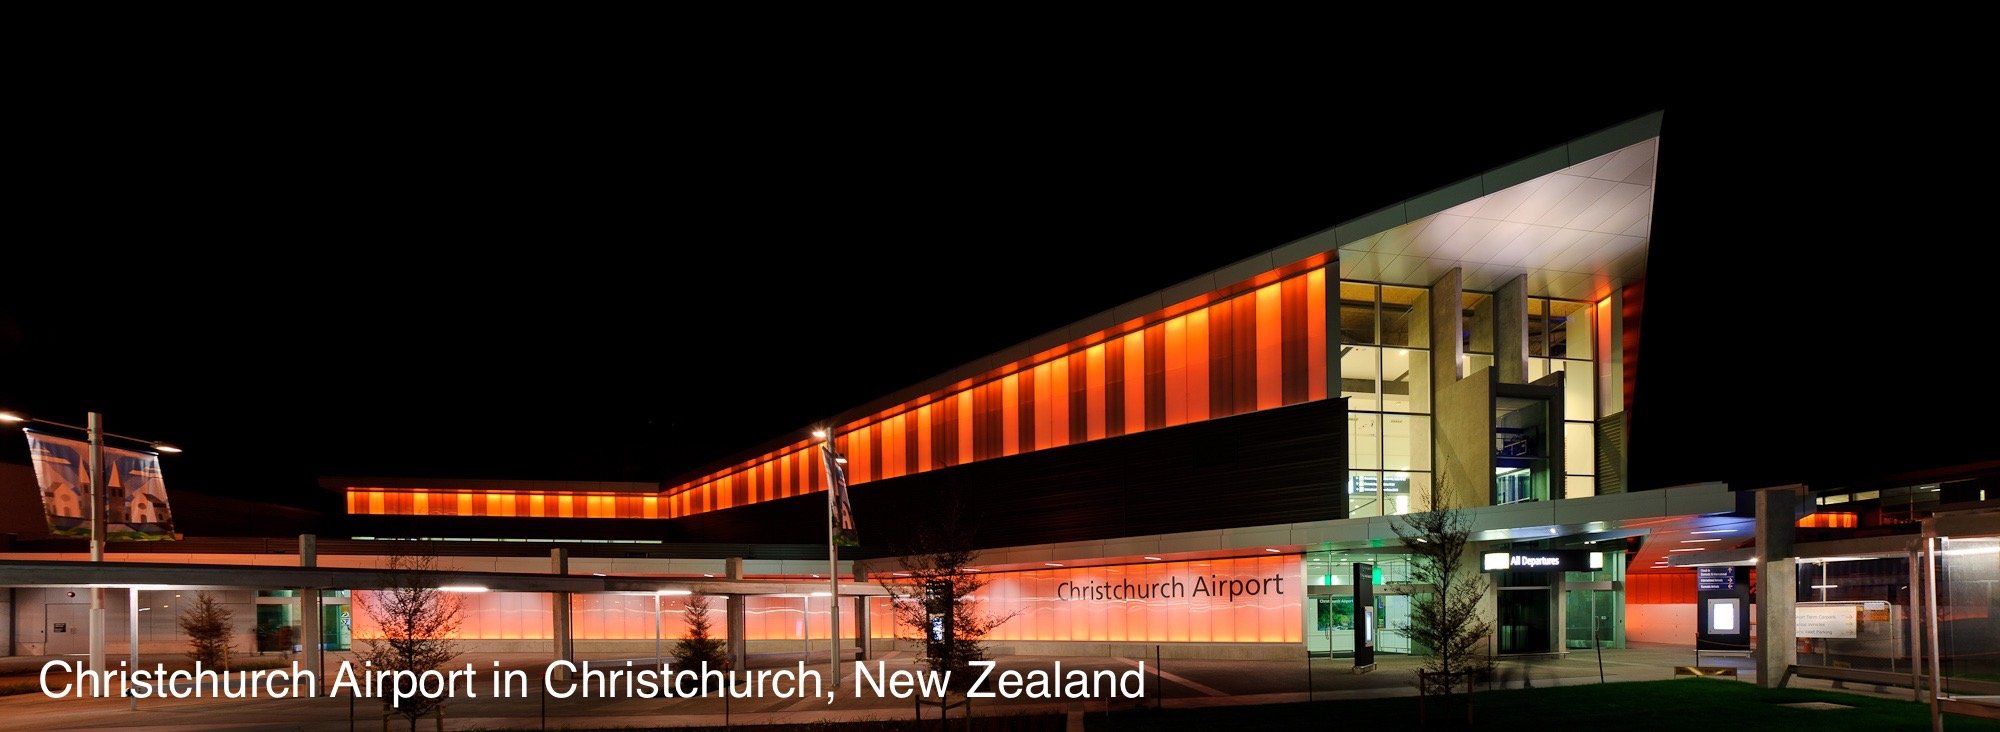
(565, 644)
(132, 633)
(1777, 582)
(737, 624)
(98, 507)
(861, 627)
(311, 636)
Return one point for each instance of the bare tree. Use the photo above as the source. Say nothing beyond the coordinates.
(1446, 622)
(207, 625)
(415, 623)
(937, 554)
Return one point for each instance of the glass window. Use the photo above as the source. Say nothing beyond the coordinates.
(1406, 442)
(1537, 368)
(1473, 363)
(1360, 375)
(1357, 313)
(1364, 493)
(1579, 448)
(1579, 390)
(1477, 323)
(1406, 492)
(1406, 380)
(1406, 316)
(1538, 327)
(1569, 329)
(1364, 440)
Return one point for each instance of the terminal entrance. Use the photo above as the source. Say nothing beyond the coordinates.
(1330, 622)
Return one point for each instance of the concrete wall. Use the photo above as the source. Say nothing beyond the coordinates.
(1672, 624)
(1463, 434)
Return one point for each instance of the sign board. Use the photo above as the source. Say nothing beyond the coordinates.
(1364, 615)
(1537, 560)
(1723, 596)
(1827, 621)
(1713, 579)
(938, 602)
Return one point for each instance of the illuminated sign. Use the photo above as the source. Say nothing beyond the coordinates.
(1541, 560)
(1173, 588)
(1223, 600)
(1714, 579)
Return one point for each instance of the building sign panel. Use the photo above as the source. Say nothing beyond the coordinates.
(1827, 621)
(1538, 560)
(1240, 600)
(1714, 579)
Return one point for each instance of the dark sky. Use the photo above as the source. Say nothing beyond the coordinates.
(460, 292)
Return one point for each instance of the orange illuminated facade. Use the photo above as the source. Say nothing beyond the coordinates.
(1831, 520)
(1202, 601)
(1260, 344)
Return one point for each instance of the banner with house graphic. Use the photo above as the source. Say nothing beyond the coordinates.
(135, 493)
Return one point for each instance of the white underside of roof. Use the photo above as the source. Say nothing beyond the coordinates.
(1576, 233)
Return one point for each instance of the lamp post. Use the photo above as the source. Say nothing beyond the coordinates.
(833, 578)
(99, 509)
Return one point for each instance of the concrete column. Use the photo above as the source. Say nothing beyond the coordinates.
(1777, 583)
(1510, 331)
(565, 641)
(309, 612)
(1447, 323)
(861, 625)
(737, 625)
(733, 567)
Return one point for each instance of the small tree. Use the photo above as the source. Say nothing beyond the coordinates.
(207, 625)
(1446, 621)
(937, 554)
(696, 645)
(414, 623)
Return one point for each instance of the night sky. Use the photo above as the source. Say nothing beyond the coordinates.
(442, 295)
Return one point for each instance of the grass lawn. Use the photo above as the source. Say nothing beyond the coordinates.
(1681, 705)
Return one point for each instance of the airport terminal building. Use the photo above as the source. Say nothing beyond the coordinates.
(1198, 469)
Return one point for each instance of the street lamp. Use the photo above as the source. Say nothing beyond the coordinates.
(94, 427)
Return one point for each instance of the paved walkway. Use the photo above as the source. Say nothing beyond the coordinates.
(1180, 684)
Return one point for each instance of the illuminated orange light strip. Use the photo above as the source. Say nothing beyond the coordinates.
(1226, 353)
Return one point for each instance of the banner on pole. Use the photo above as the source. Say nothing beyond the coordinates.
(840, 513)
(136, 495)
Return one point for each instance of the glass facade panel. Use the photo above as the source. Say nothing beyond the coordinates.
(1406, 380)
(1475, 363)
(1357, 313)
(1579, 390)
(1406, 442)
(1406, 492)
(1364, 440)
(1388, 388)
(1579, 486)
(1364, 493)
(1580, 448)
(1477, 322)
(1538, 327)
(1405, 316)
(1360, 374)
(1569, 329)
